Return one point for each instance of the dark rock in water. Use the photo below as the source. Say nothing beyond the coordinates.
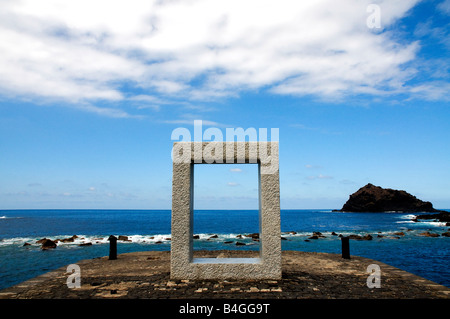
(440, 217)
(239, 243)
(318, 234)
(372, 198)
(428, 234)
(314, 237)
(85, 244)
(69, 240)
(333, 233)
(48, 244)
(41, 241)
(358, 237)
(446, 234)
(123, 238)
(283, 238)
(196, 237)
(214, 236)
(26, 244)
(254, 235)
(228, 242)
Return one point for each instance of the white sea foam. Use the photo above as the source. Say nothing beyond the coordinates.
(409, 216)
(405, 222)
(408, 219)
(433, 223)
(152, 239)
(16, 241)
(86, 239)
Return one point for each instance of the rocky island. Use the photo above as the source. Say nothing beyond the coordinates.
(371, 198)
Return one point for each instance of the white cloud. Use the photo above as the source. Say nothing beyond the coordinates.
(232, 184)
(444, 6)
(235, 170)
(320, 176)
(34, 185)
(191, 122)
(313, 166)
(199, 49)
(434, 90)
(105, 111)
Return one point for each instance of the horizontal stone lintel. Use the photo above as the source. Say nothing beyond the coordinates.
(226, 261)
(224, 152)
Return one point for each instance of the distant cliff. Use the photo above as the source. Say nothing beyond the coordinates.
(372, 198)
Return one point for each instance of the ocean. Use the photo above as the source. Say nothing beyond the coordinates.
(428, 257)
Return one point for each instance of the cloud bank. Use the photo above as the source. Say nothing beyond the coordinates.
(110, 50)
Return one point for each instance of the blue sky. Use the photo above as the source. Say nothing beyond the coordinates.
(91, 92)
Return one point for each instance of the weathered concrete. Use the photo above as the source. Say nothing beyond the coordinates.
(265, 155)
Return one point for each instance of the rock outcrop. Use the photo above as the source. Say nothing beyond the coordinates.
(372, 198)
(69, 240)
(358, 237)
(428, 234)
(48, 244)
(443, 216)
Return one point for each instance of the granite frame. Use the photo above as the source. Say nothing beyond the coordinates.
(187, 154)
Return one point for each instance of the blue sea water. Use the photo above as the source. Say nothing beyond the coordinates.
(150, 230)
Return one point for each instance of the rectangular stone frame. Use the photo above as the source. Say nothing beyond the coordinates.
(182, 263)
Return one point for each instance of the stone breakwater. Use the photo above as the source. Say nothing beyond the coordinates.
(305, 276)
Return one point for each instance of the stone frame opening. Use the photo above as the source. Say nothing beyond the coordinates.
(182, 263)
(248, 225)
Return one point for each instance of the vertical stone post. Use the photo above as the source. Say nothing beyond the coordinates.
(345, 247)
(112, 247)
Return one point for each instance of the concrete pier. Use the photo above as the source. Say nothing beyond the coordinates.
(305, 276)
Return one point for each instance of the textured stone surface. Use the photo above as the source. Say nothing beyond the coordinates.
(185, 156)
(305, 276)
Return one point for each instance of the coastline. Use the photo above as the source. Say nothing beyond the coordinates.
(396, 239)
(306, 275)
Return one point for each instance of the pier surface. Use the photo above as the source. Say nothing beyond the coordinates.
(305, 276)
